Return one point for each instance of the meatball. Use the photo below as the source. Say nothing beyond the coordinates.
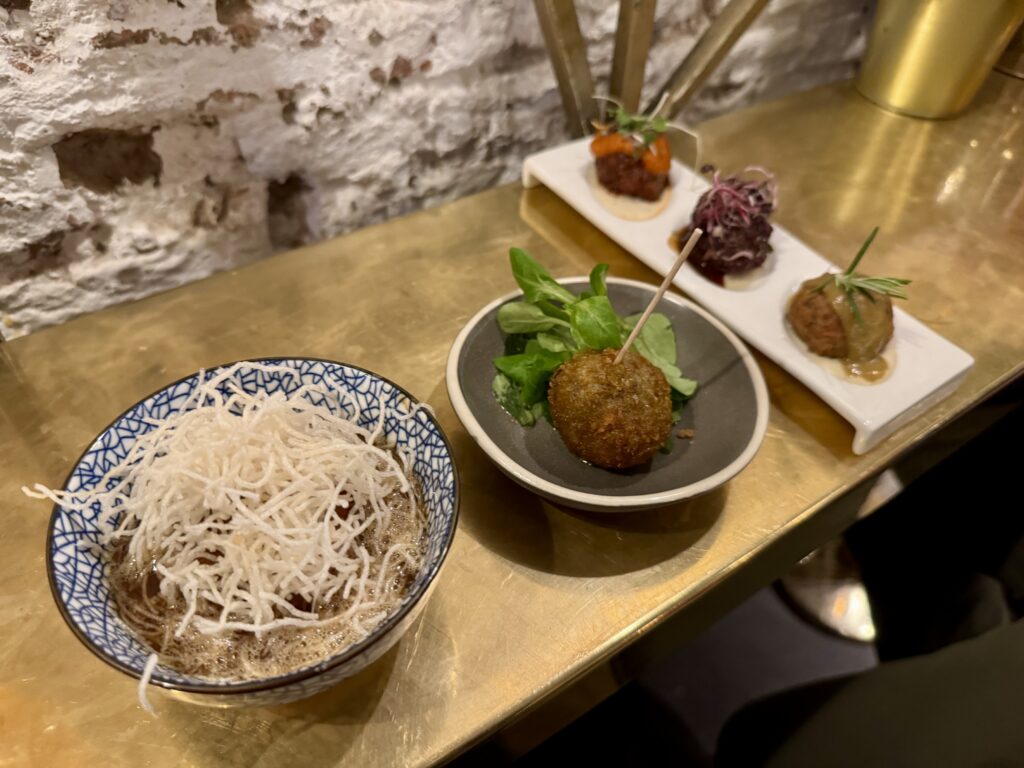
(613, 416)
(730, 250)
(821, 316)
(814, 319)
(627, 175)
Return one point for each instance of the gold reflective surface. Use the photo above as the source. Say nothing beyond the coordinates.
(929, 57)
(531, 597)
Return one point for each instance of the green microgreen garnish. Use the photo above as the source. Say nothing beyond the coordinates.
(644, 129)
(852, 283)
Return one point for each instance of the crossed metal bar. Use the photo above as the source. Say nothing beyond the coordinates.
(568, 51)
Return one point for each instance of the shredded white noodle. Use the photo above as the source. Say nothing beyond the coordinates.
(147, 674)
(260, 512)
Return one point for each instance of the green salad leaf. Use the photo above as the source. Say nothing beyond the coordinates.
(520, 317)
(597, 280)
(551, 310)
(557, 342)
(507, 395)
(515, 343)
(536, 282)
(657, 342)
(550, 325)
(594, 323)
(656, 336)
(531, 370)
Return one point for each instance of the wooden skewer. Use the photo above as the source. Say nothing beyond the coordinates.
(690, 244)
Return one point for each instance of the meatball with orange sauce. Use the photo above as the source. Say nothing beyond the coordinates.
(627, 168)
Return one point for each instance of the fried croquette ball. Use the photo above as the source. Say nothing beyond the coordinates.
(613, 416)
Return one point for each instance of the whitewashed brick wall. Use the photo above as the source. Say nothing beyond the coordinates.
(148, 143)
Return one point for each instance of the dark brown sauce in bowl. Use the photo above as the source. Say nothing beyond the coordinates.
(244, 655)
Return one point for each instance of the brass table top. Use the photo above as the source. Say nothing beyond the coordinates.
(531, 596)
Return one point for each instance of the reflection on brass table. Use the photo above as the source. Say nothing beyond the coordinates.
(532, 597)
(826, 588)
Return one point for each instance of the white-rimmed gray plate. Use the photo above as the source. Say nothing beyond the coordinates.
(728, 415)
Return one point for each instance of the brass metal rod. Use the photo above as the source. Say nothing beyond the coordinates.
(710, 49)
(568, 52)
(632, 44)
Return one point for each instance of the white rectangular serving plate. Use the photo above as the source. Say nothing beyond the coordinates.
(927, 368)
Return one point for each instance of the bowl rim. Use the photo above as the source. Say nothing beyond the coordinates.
(305, 673)
(595, 500)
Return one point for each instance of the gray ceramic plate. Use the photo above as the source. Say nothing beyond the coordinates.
(728, 414)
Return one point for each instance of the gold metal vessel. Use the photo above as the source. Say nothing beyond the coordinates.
(928, 58)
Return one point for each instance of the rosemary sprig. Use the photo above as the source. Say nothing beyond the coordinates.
(852, 283)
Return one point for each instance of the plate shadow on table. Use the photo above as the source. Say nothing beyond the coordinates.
(594, 544)
(326, 728)
(519, 526)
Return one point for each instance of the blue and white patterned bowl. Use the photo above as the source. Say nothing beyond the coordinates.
(77, 577)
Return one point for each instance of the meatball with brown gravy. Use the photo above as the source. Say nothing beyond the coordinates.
(813, 319)
(613, 416)
(821, 315)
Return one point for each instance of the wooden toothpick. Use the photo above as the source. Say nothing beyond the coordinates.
(697, 232)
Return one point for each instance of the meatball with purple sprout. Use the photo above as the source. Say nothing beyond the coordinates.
(734, 217)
